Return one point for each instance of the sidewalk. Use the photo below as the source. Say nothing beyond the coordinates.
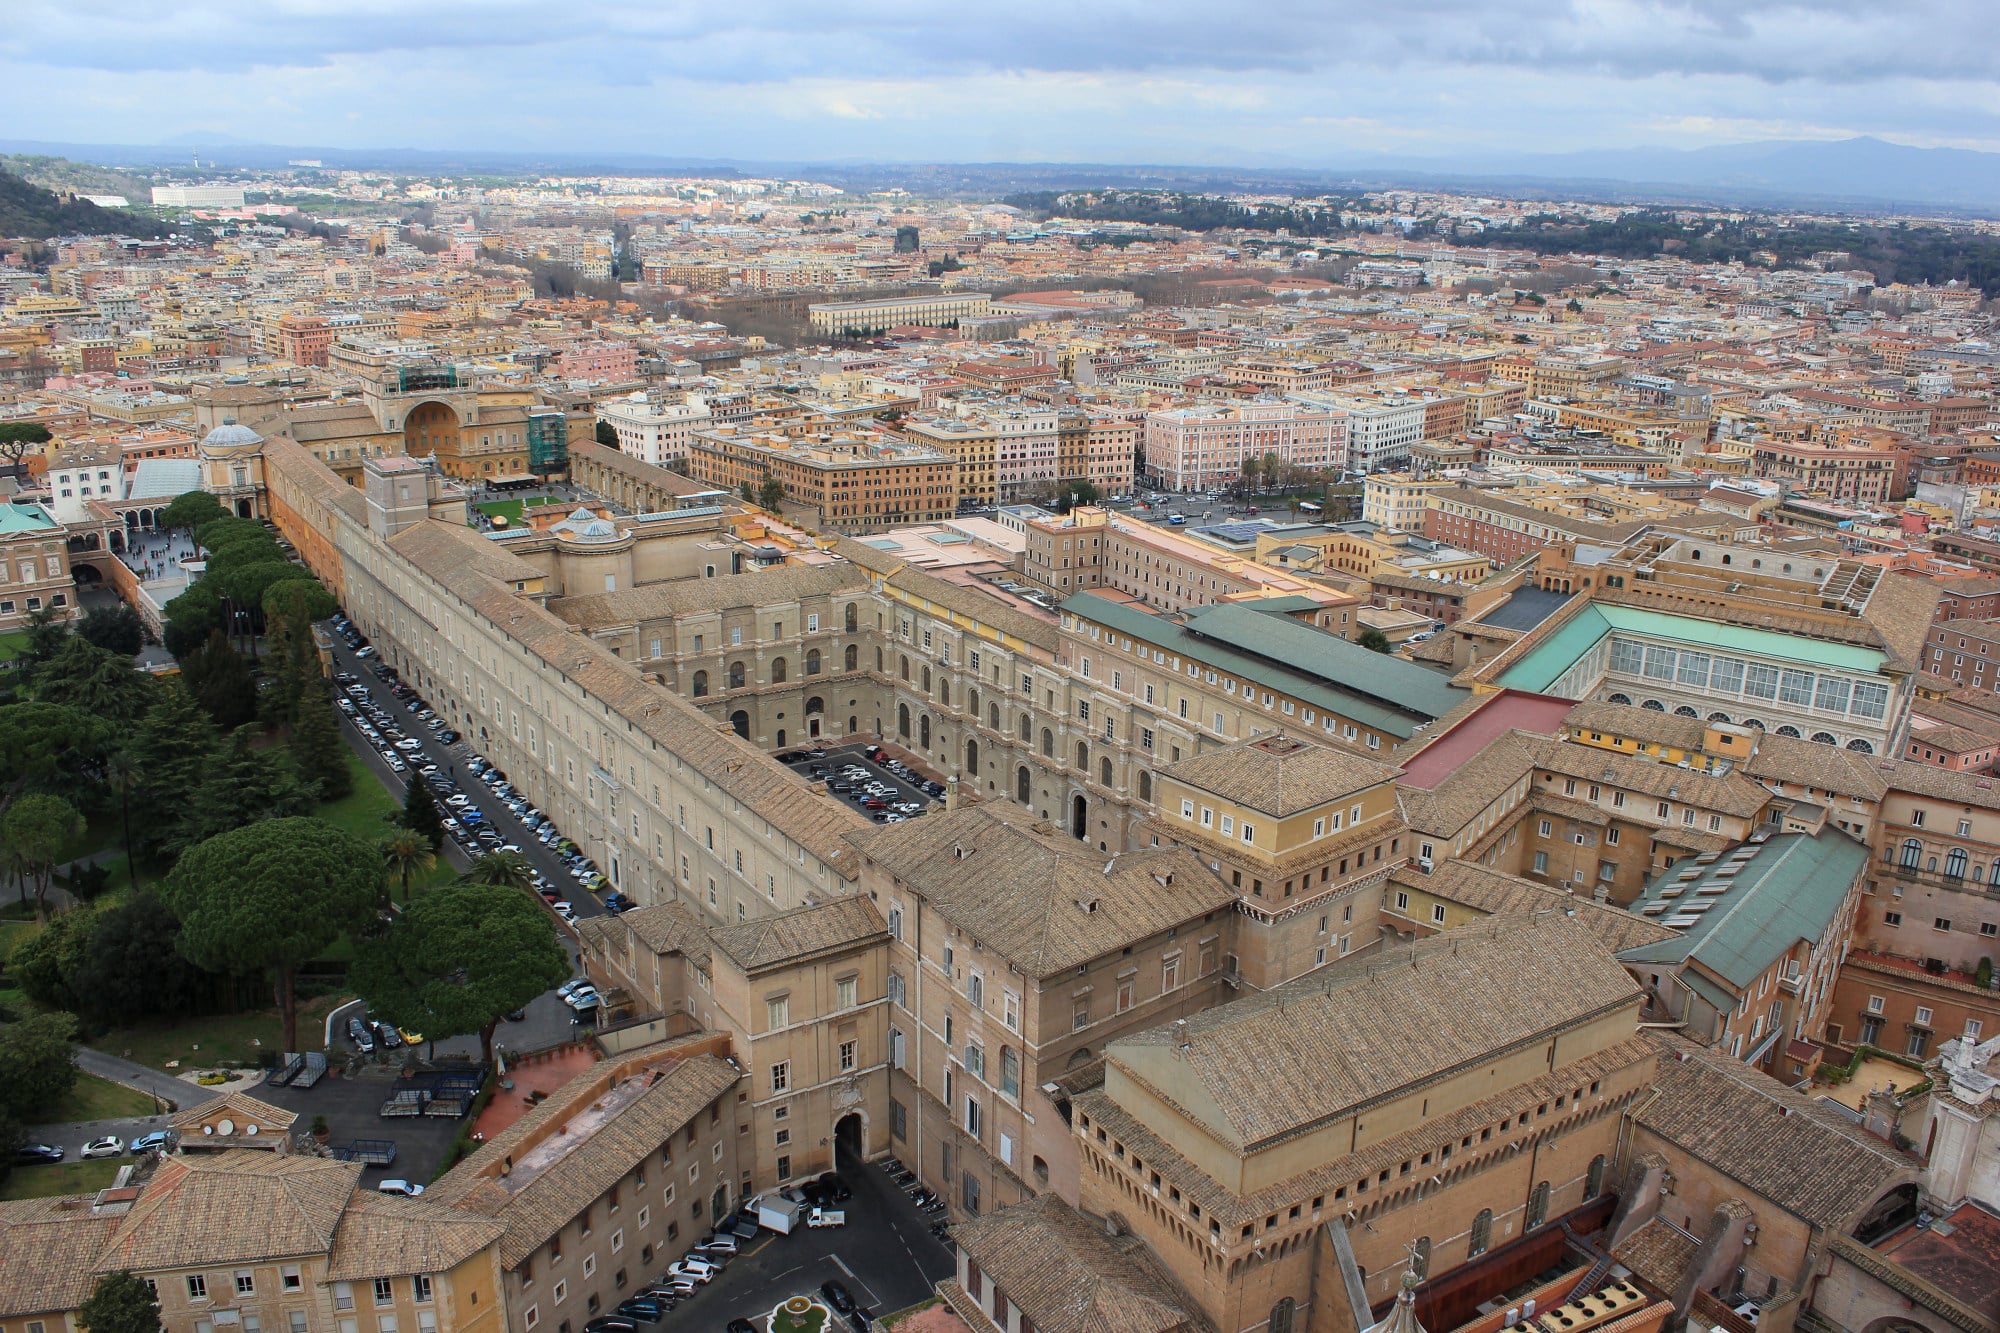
(153, 1082)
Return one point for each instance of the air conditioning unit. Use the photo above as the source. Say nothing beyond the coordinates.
(1424, 864)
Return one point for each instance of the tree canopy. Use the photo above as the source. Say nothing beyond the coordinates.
(461, 958)
(41, 829)
(191, 510)
(120, 1303)
(103, 684)
(270, 896)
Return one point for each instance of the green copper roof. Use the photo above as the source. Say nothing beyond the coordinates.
(19, 518)
(1560, 651)
(1761, 900)
(1320, 670)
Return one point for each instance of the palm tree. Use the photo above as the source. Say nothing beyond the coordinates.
(509, 870)
(408, 850)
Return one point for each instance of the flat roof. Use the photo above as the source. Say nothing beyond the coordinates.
(1508, 710)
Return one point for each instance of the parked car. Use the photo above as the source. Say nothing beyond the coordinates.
(838, 1296)
(358, 1033)
(149, 1142)
(448, 737)
(38, 1153)
(409, 1189)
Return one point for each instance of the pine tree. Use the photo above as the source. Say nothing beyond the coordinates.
(420, 814)
(317, 750)
(175, 745)
(243, 785)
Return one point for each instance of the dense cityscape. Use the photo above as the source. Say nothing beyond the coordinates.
(593, 751)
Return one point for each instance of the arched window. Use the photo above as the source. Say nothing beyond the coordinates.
(1281, 1316)
(1754, 723)
(852, 657)
(1593, 1179)
(878, 659)
(924, 730)
(902, 719)
(1048, 743)
(927, 680)
(971, 755)
(1420, 1257)
(903, 665)
(741, 721)
(1082, 758)
(1104, 771)
(815, 705)
(1653, 706)
(778, 669)
(735, 675)
(1685, 711)
(1718, 717)
(1861, 747)
(972, 703)
(944, 691)
(1913, 853)
(1954, 863)
(1041, 1169)
(993, 716)
(1824, 738)
(1538, 1206)
(1027, 729)
(1620, 699)
(1482, 1233)
(853, 618)
(1021, 784)
(812, 661)
(1793, 732)
(1145, 785)
(700, 685)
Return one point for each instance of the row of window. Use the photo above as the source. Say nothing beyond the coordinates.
(1717, 674)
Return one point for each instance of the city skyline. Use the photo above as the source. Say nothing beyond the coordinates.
(1274, 85)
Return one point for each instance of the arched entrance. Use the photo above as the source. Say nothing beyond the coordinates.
(243, 509)
(1079, 816)
(431, 428)
(1892, 1210)
(847, 1141)
(815, 706)
(740, 720)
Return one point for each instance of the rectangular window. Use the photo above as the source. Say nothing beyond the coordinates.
(1627, 657)
(197, 1286)
(1795, 687)
(1693, 670)
(385, 1291)
(781, 1076)
(1659, 663)
(778, 1013)
(246, 1282)
(1725, 676)
(1760, 682)
(847, 1056)
(1831, 694)
(844, 992)
(1869, 701)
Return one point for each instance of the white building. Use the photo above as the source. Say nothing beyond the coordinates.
(81, 473)
(1380, 431)
(656, 432)
(198, 196)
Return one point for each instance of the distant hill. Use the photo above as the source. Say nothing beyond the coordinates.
(29, 212)
(66, 176)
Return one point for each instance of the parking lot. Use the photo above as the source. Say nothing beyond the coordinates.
(903, 787)
(885, 1255)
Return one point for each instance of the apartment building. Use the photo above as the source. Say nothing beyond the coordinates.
(862, 319)
(1965, 652)
(1017, 952)
(1398, 501)
(653, 429)
(1066, 553)
(1196, 448)
(593, 1190)
(1850, 472)
(848, 481)
(254, 1239)
(1303, 832)
(973, 441)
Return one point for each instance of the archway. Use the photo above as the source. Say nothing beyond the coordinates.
(430, 428)
(242, 509)
(1892, 1210)
(1079, 816)
(815, 706)
(740, 720)
(847, 1140)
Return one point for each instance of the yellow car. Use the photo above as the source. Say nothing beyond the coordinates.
(410, 1038)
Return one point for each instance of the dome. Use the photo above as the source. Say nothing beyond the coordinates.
(584, 526)
(230, 435)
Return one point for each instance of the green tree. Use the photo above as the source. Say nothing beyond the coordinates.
(48, 631)
(420, 814)
(266, 898)
(507, 870)
(459, 960)
(54, 748)
(190, 619)
(192, 510)
(129, 967)
(243, 785)
(406, 852)
(120, 1303)
(175, 745)
(771, 493)
(606, 435)
(105, 685)
(41, 829)
(45, 964)
(221, 682)
(115, 629)
(39, 1056)
(317, 750)
(749, 492)
(121, 775)
(17, 436)
(1375, 641)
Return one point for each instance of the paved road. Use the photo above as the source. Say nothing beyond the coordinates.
(173, 1094)
(885, 1255)
(453, 758)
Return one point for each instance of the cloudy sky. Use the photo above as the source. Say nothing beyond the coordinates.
(1250, 82)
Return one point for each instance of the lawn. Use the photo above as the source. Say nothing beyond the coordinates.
(511, 509)
(812, 1321)
(220, 1039)
(95, 1098)
(43, 1182)
(370, 811)
(13, 645)
(13, 933)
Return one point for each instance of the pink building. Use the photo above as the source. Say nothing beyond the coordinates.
(1191, 448)
(609, 362)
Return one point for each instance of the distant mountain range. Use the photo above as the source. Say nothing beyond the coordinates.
(1863, 174)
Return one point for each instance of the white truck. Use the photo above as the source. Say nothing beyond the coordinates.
(778, 1213)
(826, 1217)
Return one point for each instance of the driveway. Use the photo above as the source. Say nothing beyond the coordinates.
(885, 1255)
